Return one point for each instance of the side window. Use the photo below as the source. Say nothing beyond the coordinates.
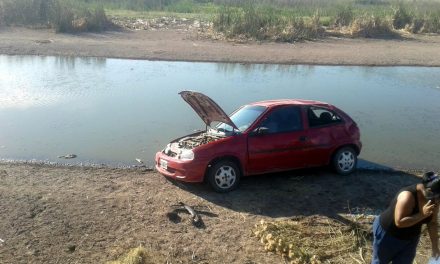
(320, 117)
(283, 119)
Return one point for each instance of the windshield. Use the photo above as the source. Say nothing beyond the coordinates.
(243, 118)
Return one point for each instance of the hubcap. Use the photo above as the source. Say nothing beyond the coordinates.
(225, 177)
(346, 161)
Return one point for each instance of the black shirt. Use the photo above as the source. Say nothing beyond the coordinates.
(387, 220)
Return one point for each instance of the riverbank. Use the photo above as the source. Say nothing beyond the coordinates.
(56, 214)
(191, 45)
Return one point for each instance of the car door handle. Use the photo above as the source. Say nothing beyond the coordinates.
(303, 138)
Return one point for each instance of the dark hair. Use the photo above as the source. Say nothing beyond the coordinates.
(431, 182)
(428, 177)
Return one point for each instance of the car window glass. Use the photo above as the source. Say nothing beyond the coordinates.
(243, 118)
(283, 120)
(320, 116)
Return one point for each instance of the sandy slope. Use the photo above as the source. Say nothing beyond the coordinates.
(178, 45)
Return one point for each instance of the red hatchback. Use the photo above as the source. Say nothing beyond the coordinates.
(261, 137)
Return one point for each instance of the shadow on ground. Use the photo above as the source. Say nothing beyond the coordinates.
(311, 192)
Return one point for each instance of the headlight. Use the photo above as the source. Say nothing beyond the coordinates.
(167, 149)
(186, 154)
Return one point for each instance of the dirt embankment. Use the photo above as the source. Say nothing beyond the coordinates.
(89, 215)
(190, 45)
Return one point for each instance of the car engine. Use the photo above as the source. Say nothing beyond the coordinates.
(175, 148)
(192, 142)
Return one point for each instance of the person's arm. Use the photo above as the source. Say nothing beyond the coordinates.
(403, 216)
(433, 233)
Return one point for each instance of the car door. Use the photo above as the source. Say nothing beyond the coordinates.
(277, 141)
(325, 129)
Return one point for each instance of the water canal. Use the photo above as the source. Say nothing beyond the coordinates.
(112, 111)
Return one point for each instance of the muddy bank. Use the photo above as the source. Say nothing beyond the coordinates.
(190, 45)
(92, 215)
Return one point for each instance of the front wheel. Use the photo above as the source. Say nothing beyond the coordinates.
(345, 160)
(224, 176)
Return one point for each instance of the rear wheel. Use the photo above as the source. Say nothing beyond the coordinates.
(345, 160)
(224, 176)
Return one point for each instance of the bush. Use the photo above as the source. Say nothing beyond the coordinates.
(97, 21)
(344, 17)
(62, 18)
(431, 23)
(223, 21)
(263, 23)
(254, 22)
(61, 15)
(298, 29)
(1, 14)
(415, 26)
(369, 26)
(401, 17)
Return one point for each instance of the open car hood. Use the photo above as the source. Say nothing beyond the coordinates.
(206, 108)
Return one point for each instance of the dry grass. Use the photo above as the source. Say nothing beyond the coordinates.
(369, 26)
(311, 239)
(138, 255)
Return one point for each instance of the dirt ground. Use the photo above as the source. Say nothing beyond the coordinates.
(183, 45)
(56, 214)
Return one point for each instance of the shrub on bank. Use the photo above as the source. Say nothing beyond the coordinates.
(1, 14)
(263, 23)
(401, 17)
(344, 16)
(299, 29)
(369, 26)
(431, 23)
(59, 14)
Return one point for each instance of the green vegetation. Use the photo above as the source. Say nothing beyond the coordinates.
(63, 15)
(262, 22)
(277, 20)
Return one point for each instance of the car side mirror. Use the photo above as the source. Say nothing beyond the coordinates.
(260, 131)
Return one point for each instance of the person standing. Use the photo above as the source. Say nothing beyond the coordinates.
(397, 230)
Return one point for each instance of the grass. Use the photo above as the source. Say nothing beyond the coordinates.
(276, 20)
(63, 15)
(369, 26)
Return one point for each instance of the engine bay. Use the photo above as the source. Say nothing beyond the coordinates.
(188, 143)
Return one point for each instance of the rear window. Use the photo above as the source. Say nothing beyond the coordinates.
(318, 116)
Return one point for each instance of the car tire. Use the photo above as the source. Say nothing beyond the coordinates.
(224, 176)
(345, 160)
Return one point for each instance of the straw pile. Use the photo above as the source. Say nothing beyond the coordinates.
(309, 239)
(138, 255)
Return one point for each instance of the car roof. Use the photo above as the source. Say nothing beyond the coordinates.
(279, 102)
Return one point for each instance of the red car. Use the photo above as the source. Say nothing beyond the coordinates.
(261, 137)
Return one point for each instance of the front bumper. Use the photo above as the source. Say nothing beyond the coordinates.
(183, 170)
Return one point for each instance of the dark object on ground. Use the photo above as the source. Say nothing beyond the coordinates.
(68, 156)
(196, 220)
(71, 248)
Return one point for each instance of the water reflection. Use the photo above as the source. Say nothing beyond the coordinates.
(246, 68)
(113, 111)
(70, 62)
